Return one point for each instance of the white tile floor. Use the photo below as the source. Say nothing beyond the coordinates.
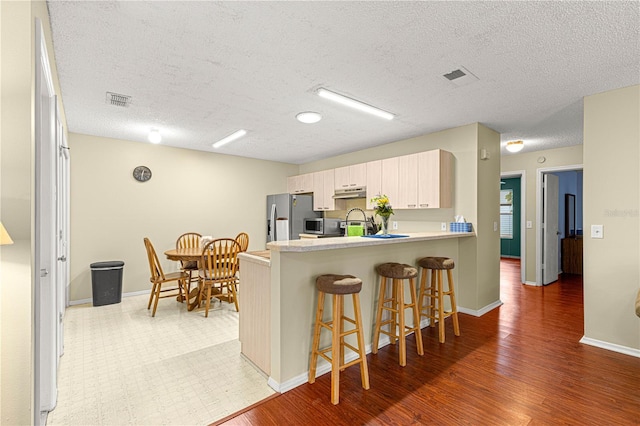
(121, 366)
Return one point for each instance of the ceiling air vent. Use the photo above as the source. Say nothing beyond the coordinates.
(117, 99)
(460, 77)
(454, 74)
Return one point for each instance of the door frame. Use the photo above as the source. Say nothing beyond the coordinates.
(522, 174)
(540, 213)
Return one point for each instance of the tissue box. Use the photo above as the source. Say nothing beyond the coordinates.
(460, 227)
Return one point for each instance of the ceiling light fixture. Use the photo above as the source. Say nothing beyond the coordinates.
(155, 136)
(232, 137)
(308, 117)
(515, 146)
(327, 94)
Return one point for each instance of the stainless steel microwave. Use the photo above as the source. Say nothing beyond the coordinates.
(321, 226)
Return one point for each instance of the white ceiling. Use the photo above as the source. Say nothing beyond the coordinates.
(199, 71)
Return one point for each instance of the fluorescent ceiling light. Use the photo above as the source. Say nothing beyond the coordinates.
(232, 137)
(309, 117)
(155, 136)
(324, 93)
(515, 146)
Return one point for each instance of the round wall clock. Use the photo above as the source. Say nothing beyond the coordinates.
(142, 173)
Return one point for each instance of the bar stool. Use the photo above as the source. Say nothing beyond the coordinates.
(435, 292)
(397, 272)
(338, 286)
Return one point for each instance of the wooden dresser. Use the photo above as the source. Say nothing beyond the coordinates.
(572, 255)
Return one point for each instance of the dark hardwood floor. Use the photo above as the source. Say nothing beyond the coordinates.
(520, 364)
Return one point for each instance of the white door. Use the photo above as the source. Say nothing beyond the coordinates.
(550, 232)
(45, 270)
(62, 231)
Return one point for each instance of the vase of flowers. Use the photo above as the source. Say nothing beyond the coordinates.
(382, 208)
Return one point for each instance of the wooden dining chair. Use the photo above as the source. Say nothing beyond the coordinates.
(158, 277)
(243, 239)
(189, 240)
(217, 275)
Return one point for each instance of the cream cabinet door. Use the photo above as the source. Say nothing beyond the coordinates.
(350, 176)
(323, 190)
(435, 179)
(389, 184)
(358, 174)
(374, 181)
(407, 182)
(342, 177)
(300, 184)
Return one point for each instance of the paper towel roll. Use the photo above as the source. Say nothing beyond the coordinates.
(282, 229)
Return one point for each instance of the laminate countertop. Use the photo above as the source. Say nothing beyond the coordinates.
(308, 245)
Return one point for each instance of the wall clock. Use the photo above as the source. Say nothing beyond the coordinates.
(142, 173)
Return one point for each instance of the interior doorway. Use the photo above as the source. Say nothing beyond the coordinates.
(553, 228)
(517, 178)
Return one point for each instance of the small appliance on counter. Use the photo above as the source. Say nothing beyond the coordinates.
(322, 226)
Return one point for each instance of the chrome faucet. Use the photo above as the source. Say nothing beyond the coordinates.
(364, 222)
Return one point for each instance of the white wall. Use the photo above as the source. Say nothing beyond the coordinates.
(190, 191)
(612, 199)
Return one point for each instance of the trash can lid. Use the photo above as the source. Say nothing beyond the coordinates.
(110, 264)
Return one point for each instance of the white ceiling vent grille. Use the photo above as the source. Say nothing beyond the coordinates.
(460, 77)
(117, 99)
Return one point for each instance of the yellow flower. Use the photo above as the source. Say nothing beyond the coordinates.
(382, 206)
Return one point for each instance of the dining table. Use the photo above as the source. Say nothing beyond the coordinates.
(187, 254)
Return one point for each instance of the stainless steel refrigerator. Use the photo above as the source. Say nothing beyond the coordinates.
(285, 215)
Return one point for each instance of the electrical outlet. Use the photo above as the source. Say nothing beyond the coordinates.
(443, 226)
(394, 225)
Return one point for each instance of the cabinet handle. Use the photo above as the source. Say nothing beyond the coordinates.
(411, 205)
(424, 205)
(353, 184)
(344, 186)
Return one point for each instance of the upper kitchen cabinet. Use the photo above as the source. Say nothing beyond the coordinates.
(435, 179)
(374, 181)
(390, 184)
(323, 190)
(300, 184)
(350, 176)
(407, 182)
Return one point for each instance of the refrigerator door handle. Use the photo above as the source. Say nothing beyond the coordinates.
(272, 230)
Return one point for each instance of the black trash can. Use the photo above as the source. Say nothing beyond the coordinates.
(106, 282)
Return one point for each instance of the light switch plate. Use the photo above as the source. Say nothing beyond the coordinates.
(395, 225)
(597, 231)
(443, 226)
(529, 224)
(495, 226)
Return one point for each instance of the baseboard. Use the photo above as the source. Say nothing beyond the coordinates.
(611, 346)
(90, 300)
(480, 312)
(532, 283)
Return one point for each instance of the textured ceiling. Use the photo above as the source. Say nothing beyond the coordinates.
(198, 71)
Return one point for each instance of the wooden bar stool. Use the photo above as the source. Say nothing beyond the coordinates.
(396, 306)
(434, 292)
(338, 286)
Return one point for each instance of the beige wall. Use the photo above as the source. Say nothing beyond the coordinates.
(528, 163)
(17, 37)
(190, 191)
(611, 199)
(476, 190)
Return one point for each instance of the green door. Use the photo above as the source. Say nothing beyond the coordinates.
(510, 217)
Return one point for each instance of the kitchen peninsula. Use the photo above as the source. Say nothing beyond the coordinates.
(291, 298)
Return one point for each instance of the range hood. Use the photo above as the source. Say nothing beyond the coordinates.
(355, 192)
